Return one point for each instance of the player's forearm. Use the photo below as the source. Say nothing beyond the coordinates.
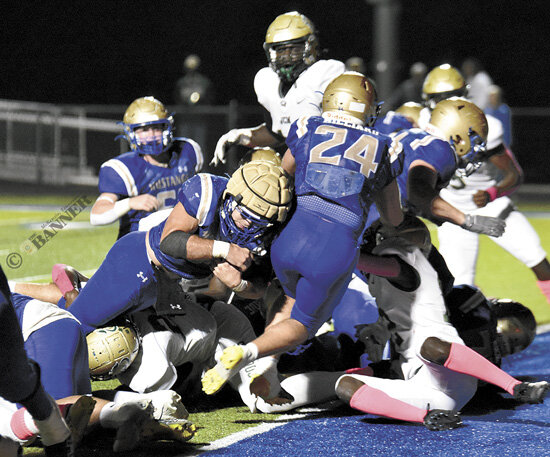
(107, 210)
(261, 136)
(389, 206)
(443, 210)
(183, 245)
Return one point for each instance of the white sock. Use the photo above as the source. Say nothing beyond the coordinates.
(250, 352)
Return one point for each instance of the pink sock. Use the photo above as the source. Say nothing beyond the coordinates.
(465, 360)
(21, 426)
(374, 401)
(544, 287)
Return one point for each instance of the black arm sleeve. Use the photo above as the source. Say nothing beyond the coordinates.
(175, 244)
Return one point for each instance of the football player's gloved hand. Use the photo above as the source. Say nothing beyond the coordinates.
(492, 226)
(375, 337)
(235, 136)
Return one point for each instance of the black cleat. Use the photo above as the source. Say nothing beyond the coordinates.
(441, 419)
(531, 392)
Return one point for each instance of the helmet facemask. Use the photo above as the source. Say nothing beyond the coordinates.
(147, 112)
(472, 159)
(250, 236)
(151, 146)
(290, 58)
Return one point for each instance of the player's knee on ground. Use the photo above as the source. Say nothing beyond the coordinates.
(435, 350)
(346, 386)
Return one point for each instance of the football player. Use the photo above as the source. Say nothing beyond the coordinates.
(404, 117)
(290, 87)
(216, 228)
(341, 167)
(22, 384)
(146, 179)
(485, 192)
(439, 372)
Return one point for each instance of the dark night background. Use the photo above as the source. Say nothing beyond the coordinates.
(99, 52)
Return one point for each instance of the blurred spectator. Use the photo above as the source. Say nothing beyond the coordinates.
(478, 80)
(410, 90)
(355, 64)
(193, 87)
(498, 108)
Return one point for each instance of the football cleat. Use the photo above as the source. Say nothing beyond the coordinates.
(440, 419)
(77, 417)
(231, 361)
(531, 392)
(167, 405)
(129, 420)
(180, 430)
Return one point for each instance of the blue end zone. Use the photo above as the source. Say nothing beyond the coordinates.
(495, 425)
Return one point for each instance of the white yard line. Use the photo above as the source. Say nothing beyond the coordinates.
(236, 437)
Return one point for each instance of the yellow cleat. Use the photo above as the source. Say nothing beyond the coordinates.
(231, 356)
(231, 361)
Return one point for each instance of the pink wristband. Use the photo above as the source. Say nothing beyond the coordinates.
(492, 191)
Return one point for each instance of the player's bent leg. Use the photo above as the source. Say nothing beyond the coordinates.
(372, 400)
(459, 248)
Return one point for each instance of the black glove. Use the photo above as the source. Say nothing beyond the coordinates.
(492, 226)
(374, 337)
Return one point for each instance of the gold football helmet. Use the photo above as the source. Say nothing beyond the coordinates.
(143, 112)
(259, 153)
(291, 45)
(464, 126)
(411, 110)
(111, 350)
(262, 193)
(351, 94)
(442, 82)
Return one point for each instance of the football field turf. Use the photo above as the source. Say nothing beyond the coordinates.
(39, 231)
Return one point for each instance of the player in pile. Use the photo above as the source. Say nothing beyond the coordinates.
(340, 169)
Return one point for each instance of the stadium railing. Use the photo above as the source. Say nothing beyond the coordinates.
(66, 144)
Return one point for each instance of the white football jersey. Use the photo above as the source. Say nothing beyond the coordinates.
(416, 315)
(304, 97)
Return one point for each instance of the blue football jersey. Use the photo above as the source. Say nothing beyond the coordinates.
(129, 175)
(341, 163)
(419, 145)
(200, 196)
(392, 122)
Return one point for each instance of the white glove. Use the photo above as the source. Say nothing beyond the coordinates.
(235, 136)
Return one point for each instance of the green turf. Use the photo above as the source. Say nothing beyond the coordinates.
(499, 274)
